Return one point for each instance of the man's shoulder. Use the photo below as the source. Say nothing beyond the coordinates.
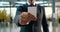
(25, 5)
(22, 6)
(38, 5)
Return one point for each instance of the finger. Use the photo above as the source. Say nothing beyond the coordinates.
(32, 17)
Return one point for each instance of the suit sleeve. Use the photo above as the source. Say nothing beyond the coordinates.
(37, 24)
(18, 12)
(44, 21)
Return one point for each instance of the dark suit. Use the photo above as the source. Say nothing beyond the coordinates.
(28, 28)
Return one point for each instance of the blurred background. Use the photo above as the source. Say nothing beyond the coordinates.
(8, 10)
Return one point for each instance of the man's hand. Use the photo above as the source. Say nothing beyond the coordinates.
(32, 17)
(26, 17)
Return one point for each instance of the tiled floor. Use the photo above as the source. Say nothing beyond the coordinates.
(17, 29)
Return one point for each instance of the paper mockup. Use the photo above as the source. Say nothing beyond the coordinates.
(33, 10)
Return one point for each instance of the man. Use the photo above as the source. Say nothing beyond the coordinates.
(34, 22)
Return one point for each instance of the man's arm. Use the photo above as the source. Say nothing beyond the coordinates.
(21, 12)
(18, 12)
(37, 24)
(44, 21)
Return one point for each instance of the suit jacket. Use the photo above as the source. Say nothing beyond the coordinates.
(41, 19)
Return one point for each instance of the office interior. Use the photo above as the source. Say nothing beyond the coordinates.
(9, 7)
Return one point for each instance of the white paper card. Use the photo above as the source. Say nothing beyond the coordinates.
(33, 10)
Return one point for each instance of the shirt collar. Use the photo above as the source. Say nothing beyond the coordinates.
(29, 3)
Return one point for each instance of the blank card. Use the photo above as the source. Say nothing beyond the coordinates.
(33, 10)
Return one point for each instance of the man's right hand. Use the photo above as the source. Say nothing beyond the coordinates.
(26, 17)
